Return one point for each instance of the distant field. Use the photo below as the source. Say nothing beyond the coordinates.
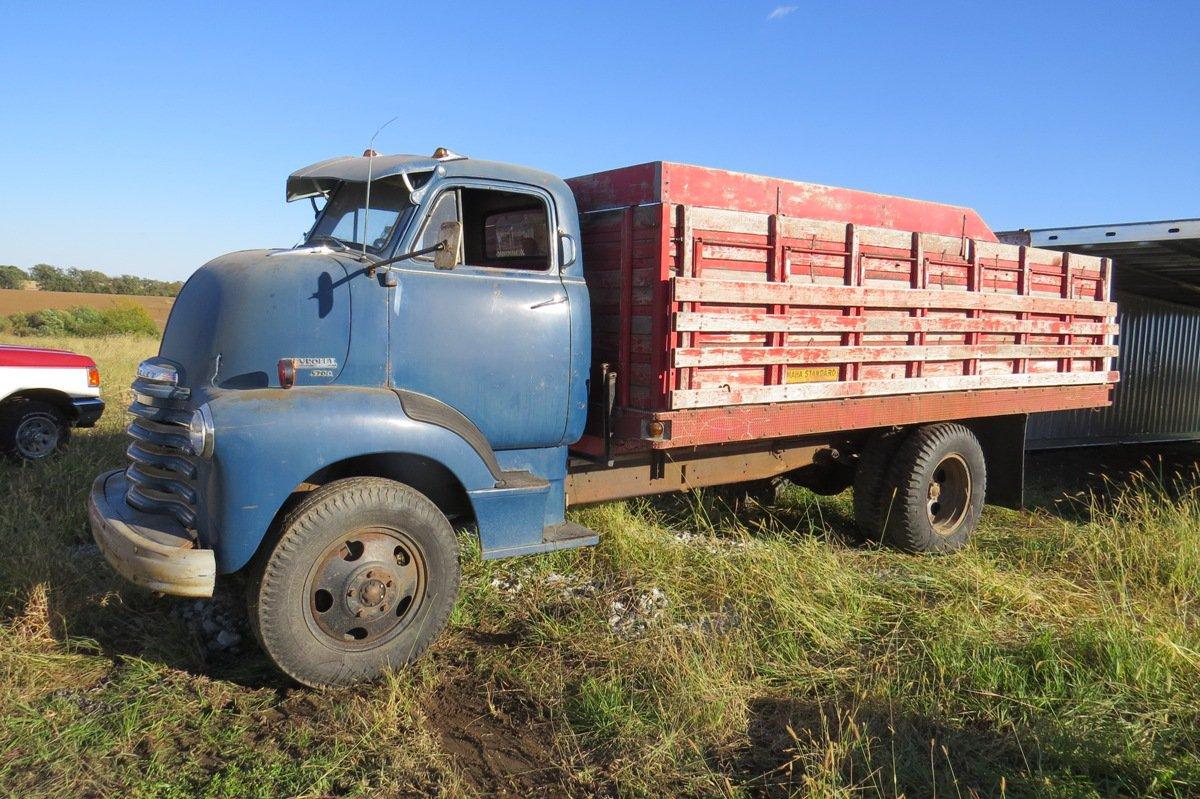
(15, 301)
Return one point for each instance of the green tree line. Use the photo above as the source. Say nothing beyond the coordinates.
(89, 281)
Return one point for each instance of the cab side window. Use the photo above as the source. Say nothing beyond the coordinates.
(505, 229)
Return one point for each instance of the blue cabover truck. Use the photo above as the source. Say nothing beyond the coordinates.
(466, 342)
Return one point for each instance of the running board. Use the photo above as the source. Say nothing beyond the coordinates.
(567, 535)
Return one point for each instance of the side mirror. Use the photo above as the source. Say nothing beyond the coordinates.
(448, 255)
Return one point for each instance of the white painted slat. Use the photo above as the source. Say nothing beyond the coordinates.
(799, 392)
(764, 356)
(806, 294)
(757, 322)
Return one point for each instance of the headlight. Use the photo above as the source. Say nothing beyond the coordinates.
(200, 432)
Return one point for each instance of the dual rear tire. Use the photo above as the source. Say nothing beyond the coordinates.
(921, 490)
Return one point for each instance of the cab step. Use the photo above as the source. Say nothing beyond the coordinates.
(568, 535)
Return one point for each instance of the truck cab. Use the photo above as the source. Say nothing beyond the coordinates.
(431, 336)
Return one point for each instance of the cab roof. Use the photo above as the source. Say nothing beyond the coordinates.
(323, 176)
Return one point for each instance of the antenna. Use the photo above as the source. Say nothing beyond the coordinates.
(370, 154)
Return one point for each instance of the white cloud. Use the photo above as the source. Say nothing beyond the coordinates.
(781, 11)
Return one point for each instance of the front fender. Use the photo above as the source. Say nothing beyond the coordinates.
(269, 441)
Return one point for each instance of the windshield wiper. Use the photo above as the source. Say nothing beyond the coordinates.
(342, 246)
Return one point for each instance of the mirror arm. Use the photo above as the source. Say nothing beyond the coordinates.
(441, 245)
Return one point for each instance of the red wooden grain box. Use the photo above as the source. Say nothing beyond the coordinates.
(737, 307)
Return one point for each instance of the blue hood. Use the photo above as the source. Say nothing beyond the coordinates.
(239, 314)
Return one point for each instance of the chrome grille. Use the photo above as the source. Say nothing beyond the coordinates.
(161, 471)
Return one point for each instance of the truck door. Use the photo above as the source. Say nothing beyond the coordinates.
(491, 338)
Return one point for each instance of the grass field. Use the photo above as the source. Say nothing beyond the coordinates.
(692, 653)
(14, 301)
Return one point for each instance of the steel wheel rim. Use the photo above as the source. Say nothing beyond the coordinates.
(365, 588)
(949, 494)
(37, 437)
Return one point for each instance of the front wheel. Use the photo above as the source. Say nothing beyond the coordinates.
(363, 578)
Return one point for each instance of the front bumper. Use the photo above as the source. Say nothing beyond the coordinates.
(151, 550)
(87, 410)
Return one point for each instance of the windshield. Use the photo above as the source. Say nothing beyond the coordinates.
(345, 221)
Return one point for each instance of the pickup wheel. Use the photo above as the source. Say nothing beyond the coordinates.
(31, 430)
(870, 476)
(362, 578)
(940, 480)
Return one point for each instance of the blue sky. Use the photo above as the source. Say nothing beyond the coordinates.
(150, 138)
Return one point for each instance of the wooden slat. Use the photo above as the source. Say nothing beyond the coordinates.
(854, 277)
(763, 356)
(747, 293)
(778, 271)
(625, 308)
(919, 280)
(798, 392)
(758, 322)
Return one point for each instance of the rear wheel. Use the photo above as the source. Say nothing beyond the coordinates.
(939, 480)
(362, 578)
(870, 477)
(31, 430)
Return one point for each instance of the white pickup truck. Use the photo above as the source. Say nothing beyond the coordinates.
(43, 394)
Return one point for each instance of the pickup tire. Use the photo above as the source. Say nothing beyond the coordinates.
(936, 488)
(31, 430)
(362, 578)
(870, 476)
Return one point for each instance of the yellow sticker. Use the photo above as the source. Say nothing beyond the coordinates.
(812, 374)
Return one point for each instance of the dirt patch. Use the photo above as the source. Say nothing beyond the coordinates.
(17, 301)
(498, 740)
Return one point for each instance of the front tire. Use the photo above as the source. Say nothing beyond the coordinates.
(32, 431)
(362, 578)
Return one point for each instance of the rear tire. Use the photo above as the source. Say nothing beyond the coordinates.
(939, 479)
(31, 430)
(362, 578)
(870, 476)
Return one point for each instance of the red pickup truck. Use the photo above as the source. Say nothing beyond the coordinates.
(43, 394)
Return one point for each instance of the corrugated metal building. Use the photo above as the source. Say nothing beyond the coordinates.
(1156, 279)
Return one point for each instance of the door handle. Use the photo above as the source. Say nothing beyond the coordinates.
(555, 301)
